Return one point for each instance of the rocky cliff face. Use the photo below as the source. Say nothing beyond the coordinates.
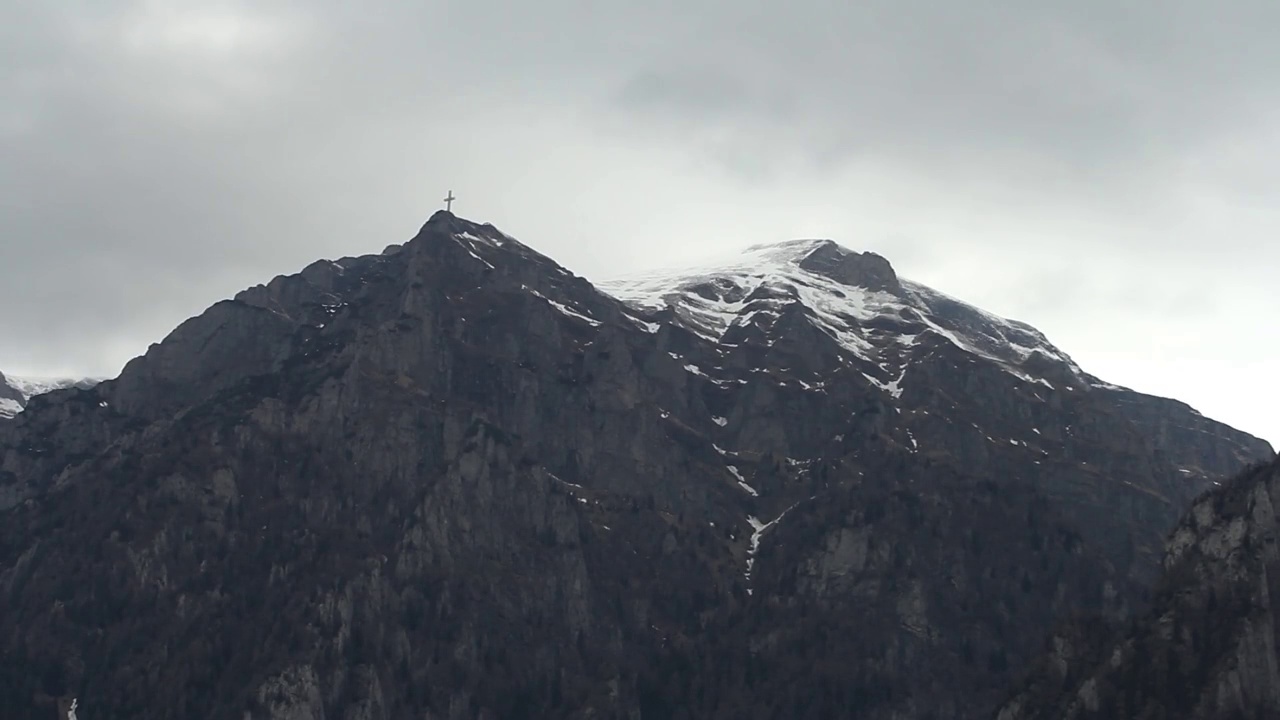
(1206, 648)
(454, 480)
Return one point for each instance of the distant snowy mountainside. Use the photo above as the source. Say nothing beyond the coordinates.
(16, 392)
(856, 299)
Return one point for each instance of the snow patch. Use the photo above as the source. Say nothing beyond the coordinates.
(565, 482)
(758, 530)
(473, 238)
(894, 388)
(467, 240)
(564, 309)
(742, 482)
(9, 408)
(649, 327)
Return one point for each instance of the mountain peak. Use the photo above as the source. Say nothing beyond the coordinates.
(867, 270)
(442, 221)
(817, 256)
(857, 299)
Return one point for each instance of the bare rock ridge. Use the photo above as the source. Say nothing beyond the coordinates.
(865, 270)
(1207, 646)
(455, 480)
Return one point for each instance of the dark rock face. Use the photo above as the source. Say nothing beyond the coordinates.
(454, 480)
(866, 270)
(1207, 646)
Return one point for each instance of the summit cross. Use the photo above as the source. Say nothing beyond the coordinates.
(448, 202)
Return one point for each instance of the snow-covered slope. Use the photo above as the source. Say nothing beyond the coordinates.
(855, 298)
(15, 392)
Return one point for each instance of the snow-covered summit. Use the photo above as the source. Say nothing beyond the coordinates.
(855, 298)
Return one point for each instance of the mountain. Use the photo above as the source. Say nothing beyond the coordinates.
(961, 377)
(16, 392)
(454, 480)
(1208, 645)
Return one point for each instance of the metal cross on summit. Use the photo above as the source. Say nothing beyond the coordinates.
(448, 202)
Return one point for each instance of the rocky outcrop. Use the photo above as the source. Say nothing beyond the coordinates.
(866, 270)
(1206, 648)
(455, 480)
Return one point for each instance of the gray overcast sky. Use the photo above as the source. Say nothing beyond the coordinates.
(1108, 171)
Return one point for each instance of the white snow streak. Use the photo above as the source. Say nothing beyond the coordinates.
(9, 408)
(757, 533)
(649, 327)
(564, 309)
(466, 245)
(742, 482)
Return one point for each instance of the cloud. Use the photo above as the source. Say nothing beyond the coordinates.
(1103, 170)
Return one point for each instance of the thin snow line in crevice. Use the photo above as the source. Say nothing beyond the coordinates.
(742, 482)
(758, 529)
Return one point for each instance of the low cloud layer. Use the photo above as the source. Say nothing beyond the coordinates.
(1105, 171)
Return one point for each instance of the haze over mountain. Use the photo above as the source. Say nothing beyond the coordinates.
(455, 480)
